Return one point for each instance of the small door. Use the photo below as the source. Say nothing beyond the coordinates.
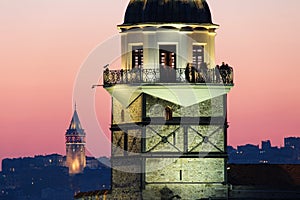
(167, 61)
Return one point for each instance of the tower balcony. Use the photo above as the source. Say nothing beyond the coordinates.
(163, 75)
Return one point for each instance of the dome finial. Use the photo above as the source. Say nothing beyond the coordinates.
(199, 4)
(145, 3)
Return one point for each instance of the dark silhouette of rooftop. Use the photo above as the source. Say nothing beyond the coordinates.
(272, 175)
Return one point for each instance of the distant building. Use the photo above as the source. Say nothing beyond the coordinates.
(36, 162)
(268, 154)
(293, 143)
(250, 152)
(75, 146)
(266, 145)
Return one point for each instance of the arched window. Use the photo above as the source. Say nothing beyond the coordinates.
(168, 113)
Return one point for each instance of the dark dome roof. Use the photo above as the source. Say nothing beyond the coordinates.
(167, 11)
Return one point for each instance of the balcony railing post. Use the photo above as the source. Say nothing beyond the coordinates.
(122, 75)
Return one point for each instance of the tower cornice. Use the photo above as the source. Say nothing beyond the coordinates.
(173, 26)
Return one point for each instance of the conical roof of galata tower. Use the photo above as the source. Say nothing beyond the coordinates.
(167, 11)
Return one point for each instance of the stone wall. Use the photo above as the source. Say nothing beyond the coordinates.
(185, 170)
(191, 177)
(126, 178)
(185, 191)
(155, 107)
(210, 137)
(163, 138)
(132, 113)
(170, 138)
(134, 141)
(117, 143)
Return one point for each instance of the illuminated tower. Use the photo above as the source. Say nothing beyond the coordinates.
(169, 121)
(75, 146)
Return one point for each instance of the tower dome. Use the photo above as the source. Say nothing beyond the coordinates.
(167, 11)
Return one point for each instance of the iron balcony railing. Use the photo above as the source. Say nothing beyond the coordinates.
(162, 75)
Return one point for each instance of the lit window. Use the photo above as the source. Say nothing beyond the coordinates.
(137, 56)
(167, 61)
(167, 55)
(198, 55)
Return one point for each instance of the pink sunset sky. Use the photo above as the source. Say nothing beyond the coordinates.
(44, 43)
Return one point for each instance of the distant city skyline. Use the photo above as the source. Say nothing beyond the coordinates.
(47, 177)
(258, 145)
(44, 43)
(269, 140)
(266, 153)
